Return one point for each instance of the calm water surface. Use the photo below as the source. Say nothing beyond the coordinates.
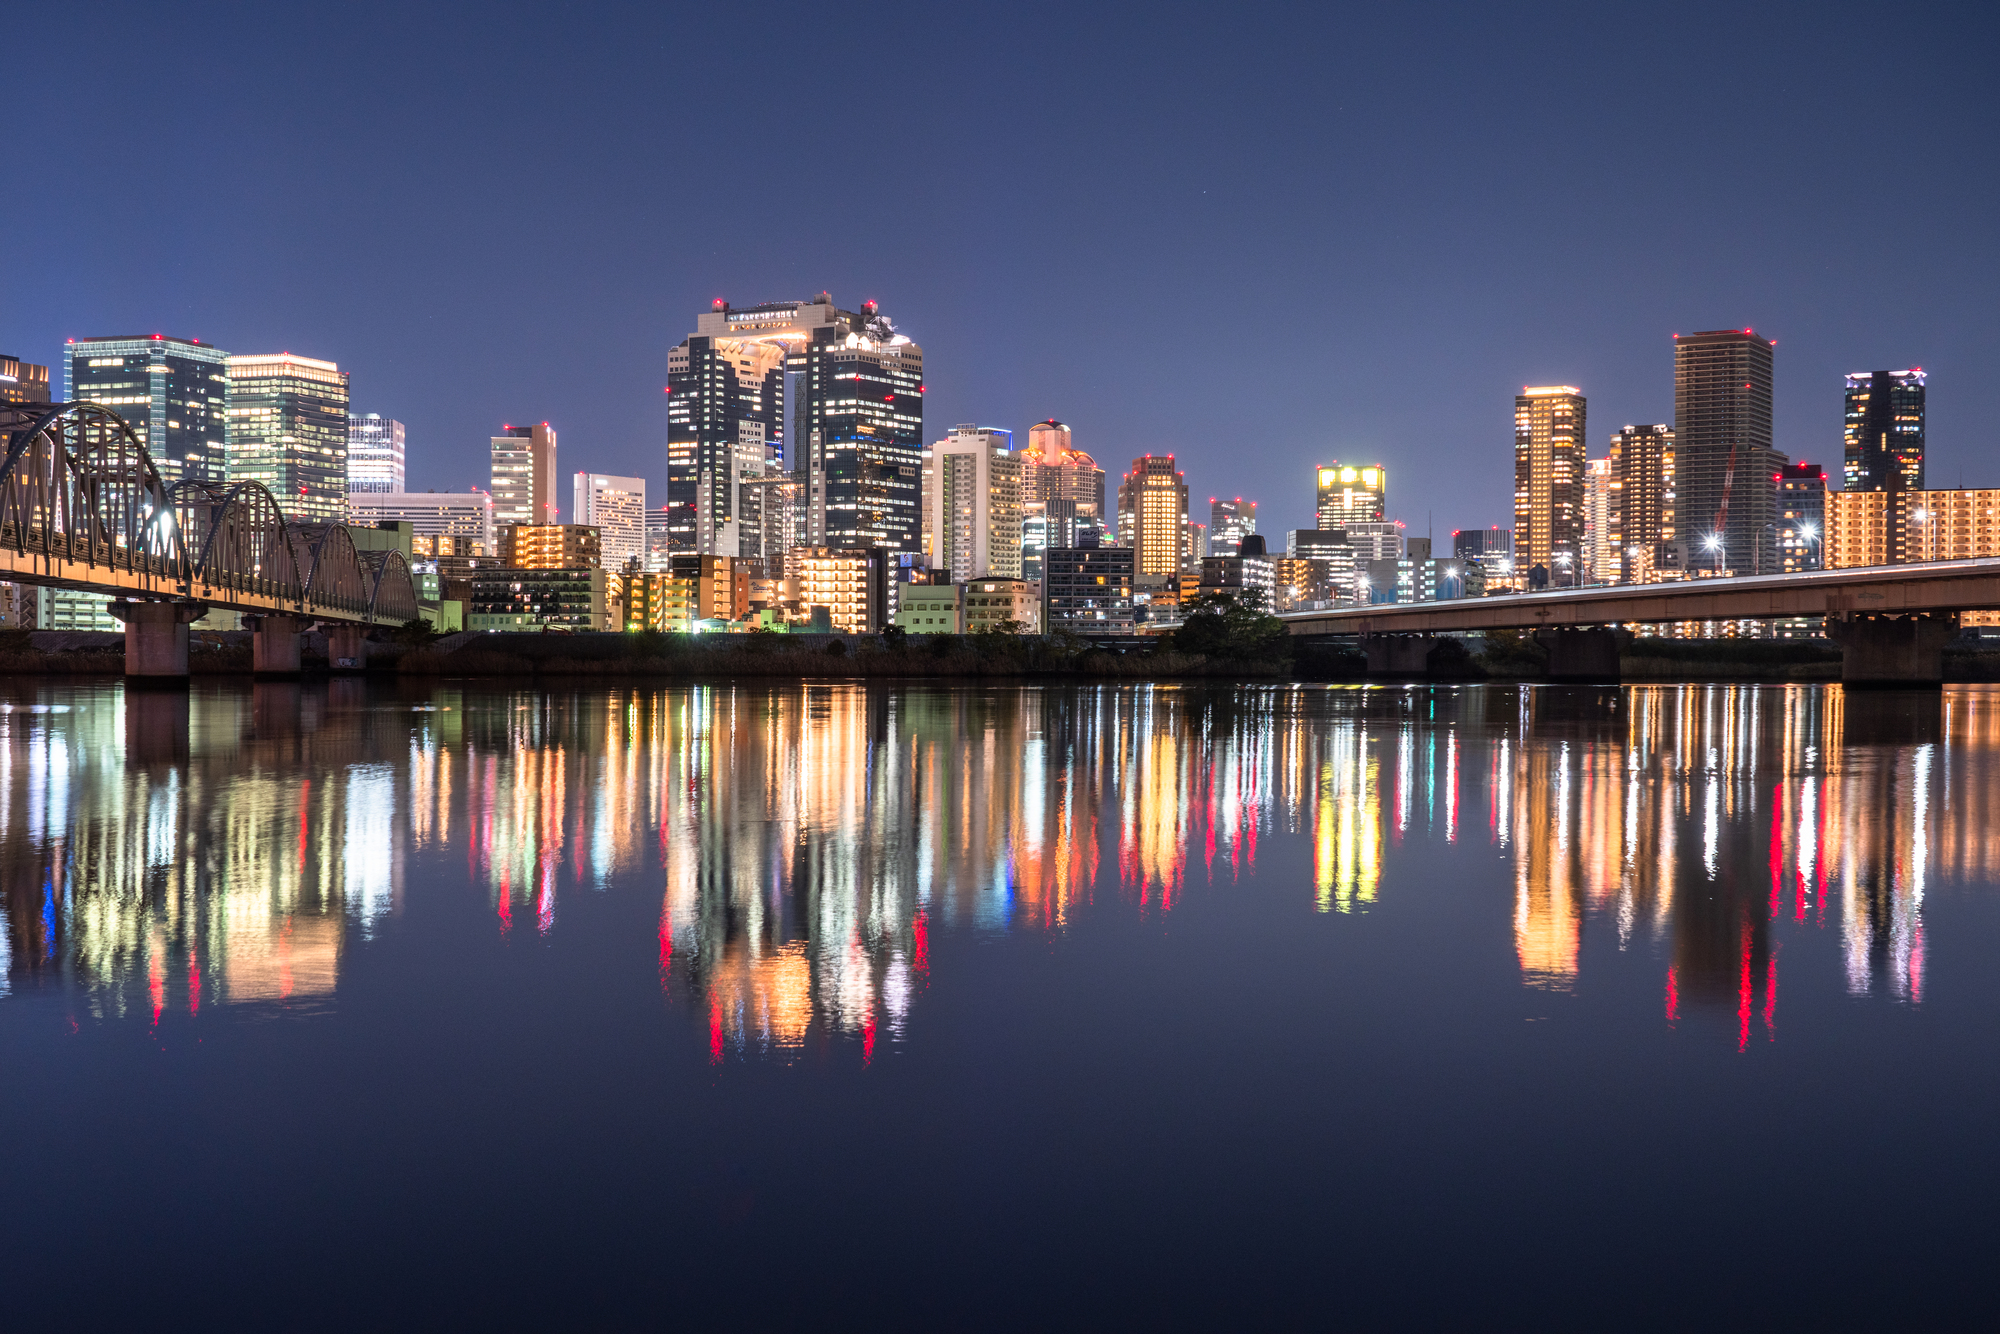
(337, 1003)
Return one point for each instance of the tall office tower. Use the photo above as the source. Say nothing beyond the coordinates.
(1600, 558)
(524, 475)
(1350, 494)
(858, 422)
(23, 381)
(1642, 494)
(467, 514)
(1722, 447)
(616, 507)
(174, 392)
(1062, 494)
(975, 505)
(1482, 543)
(1548, 481)
(288, 430)
(1801, 517)
(726, 417)
(374, 455)
(771, 518)
(1229, 522)
(1885, 430)
(1152, 515)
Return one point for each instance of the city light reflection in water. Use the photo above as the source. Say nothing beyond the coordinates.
(163, 852)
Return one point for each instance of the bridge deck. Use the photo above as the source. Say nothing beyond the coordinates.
(1944, 586)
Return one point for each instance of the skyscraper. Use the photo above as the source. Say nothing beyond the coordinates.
(1229, 522)
(524, 475)
(726, 416)
(858, 422)
(1642, 493)
(1548, 482)
(288, 430)
(1600, 552)
(1352, 494)
(1801, 517)
(174, 392)
(1062, 494)
(374, 455)
(23, 381)
(1724, 461)
(975, 505)
(616, 507)
(1152, 515)
(1885, 431)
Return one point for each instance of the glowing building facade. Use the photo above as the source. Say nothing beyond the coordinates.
(173, 391)
(524, 475)
(973, 504)
(375, 455)
(1350, 493)
(1153, 516)
(1724, 461)
(1883, 431)
(1549, 423)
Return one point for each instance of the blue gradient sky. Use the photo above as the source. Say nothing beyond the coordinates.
(1259, 238)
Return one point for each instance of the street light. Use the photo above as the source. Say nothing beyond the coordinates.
(1714, 543)
(1811, 534)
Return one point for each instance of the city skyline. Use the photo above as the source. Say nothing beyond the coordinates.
(1401, 318)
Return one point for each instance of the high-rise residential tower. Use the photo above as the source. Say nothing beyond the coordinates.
(524, 475)
(1548, 482)
(23, 381)
(374, 455)
(726, 417)
(1600, 559)
(1725, 504)
(1153, 514)
(1229, 522)
(288, 430)
(1885, 431)
(616, 507)
(1352, 494)
(974, 499)
(1642, 494)
(1062, 496)
(173, 391)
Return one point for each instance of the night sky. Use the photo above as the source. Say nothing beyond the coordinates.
(1257, 237)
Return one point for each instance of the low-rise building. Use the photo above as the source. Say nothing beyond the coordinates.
(932, 609)
(848, 583)
(538, 600)
(1088, 589)
(551, 546)
(1000, 604)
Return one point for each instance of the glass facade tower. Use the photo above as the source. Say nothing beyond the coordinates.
(1724, 462)
(175, 392)
(1884, 431)
(288, 430)
(1352, 494)
(1549, 483)
(374, 455)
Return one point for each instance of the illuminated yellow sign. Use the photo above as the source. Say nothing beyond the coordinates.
(1326, 477)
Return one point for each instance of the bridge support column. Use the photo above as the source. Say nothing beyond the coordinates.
(1903, 652)
(156, 638)
(1585, 657)
(346, 647)
(274, 649)
(1398, 655)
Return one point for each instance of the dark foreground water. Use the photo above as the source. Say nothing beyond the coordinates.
(345, 1005)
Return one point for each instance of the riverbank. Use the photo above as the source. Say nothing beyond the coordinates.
(780, 657)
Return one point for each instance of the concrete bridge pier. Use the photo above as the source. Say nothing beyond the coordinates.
(156, 638)
(1586, 656)
(1892, 652)
(1398, 655)
(346, 646)
(274, 649)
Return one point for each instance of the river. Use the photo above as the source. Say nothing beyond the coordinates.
(354, 1002)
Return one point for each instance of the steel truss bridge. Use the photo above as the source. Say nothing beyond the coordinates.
(82, 506)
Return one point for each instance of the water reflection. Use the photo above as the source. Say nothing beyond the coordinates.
(165, 852)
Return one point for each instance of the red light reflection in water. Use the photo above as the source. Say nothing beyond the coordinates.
(305, 803)
(920, 931)
(194, 983)
(1771, 994)
(1673, 996)
(1917, 965)
(506, 905)
(666, 943)
(868, 1040)
(156, 986)
(715, 1030)
(1777, 850)
(1743, 993)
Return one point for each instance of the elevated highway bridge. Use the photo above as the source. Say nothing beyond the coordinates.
(82, 506)
(1891, 621)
